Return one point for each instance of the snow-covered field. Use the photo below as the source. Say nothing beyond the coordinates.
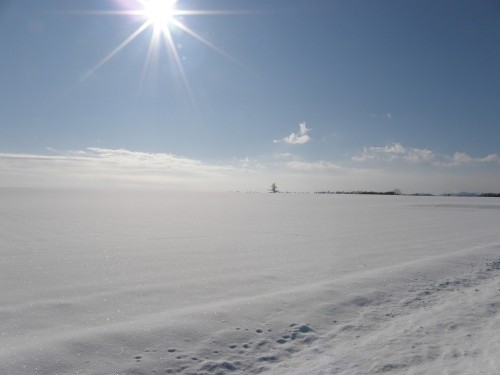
(96, 282)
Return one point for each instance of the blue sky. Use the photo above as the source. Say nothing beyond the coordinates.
(314, 95)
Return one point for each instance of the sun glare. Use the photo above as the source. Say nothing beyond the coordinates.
(159, 13)
(162, 16)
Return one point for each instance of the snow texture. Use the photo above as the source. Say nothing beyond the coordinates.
(116, 282)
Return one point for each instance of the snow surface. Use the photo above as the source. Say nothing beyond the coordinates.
(116, 282)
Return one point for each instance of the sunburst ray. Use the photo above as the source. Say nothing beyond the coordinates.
(161, 25)
(122, 45)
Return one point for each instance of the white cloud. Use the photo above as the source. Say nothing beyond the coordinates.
(249, 165)
(300, 138)
(396, 151)
(365, 156)
(387, 115)
(117, 168)
(461, 158)
(120, 168)
(395, 148)
(314, 166)
(418, 155)
(108, 167)
(283, 155)
(391, 151)
(489, 158)
(303, 128)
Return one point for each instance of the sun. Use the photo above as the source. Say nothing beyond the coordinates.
(161, 16)
(159, 13)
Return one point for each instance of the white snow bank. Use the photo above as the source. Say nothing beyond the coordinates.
(99, 282)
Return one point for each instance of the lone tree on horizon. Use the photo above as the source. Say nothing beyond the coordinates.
(273, 188)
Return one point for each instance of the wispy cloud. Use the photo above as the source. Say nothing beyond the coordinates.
(312, 166)
(297, 139)
(419, 155)
(282, 155)
(104, 167)
(396, 151)
(250, 165)
(121, 168)
(117, 168)
(461, 158)
(387, 115)
(143, 161)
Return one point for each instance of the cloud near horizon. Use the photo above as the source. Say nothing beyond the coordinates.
(96, 167)
(461, 158)
(396, 151)
(314, 166)
(107, 167)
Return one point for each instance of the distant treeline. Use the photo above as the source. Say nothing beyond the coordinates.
(362, 192)
(398, 192)
(490, 195)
